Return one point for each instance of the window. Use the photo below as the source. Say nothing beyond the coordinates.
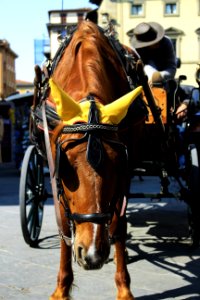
(171, 8)
(137, 8)
(80, 17)
(63, 18)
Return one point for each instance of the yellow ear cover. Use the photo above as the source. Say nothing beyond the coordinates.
(117, 110)
(66, 107)
(71, 111)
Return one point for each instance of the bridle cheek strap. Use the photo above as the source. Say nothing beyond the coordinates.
(53, 178)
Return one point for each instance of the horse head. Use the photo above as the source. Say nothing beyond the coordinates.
(90, 163)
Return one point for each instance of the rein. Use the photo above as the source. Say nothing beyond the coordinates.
(53, 179)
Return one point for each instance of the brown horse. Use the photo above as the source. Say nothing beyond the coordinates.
(89, 156)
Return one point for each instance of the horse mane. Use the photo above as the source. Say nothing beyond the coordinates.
(88, 66)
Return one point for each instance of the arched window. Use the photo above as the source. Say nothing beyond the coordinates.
(175, 35)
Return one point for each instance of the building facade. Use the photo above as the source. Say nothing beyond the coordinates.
(7, 69)
(180, 19)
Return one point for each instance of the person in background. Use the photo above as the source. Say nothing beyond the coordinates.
(160, 63)
(182, 110)
(193, 103)
(1, 134)
(156, 51)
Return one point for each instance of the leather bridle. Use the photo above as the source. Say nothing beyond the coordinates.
(92, 131)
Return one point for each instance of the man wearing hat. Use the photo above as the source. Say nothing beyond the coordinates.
(156, 51)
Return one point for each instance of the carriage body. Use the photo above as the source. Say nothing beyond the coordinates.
(170, 149)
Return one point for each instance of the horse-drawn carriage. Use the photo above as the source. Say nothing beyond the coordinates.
(174, 147)
(89, 140)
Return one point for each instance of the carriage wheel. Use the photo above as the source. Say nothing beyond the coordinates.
(32, 195)
(194, 188)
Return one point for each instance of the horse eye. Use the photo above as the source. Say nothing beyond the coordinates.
(69, 168)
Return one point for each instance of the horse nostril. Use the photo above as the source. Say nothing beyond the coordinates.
(94, 261)
(80, 252)
(91, 259)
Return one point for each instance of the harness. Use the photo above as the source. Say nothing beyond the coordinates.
(93, 132)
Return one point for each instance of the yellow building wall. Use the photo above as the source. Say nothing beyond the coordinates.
(187, 20)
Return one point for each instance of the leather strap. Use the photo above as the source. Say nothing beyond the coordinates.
(53, 179)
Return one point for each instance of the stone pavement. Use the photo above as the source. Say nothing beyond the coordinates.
(161, 263)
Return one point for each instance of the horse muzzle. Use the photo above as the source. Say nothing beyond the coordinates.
(93, 248)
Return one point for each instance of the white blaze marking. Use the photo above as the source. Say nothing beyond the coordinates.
(92, 248)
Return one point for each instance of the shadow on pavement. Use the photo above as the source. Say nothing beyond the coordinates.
(164, 242)
(49, 242)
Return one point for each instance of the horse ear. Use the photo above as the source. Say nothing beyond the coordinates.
(67, 108)
(117, 110)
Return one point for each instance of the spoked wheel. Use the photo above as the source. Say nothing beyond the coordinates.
(32, 195)
(194, 189)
